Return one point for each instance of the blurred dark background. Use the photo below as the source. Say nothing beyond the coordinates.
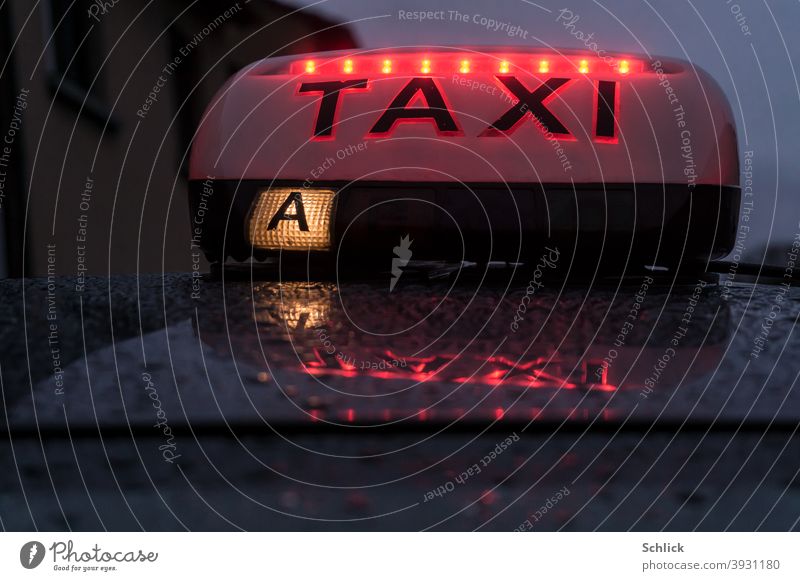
(86, 147)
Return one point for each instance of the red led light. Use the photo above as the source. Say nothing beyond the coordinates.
(473, 63)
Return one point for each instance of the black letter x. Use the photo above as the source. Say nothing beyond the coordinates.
(531, 102)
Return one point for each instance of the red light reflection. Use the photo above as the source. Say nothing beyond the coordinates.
(539, 372)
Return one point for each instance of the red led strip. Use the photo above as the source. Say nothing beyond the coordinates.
(465, 64)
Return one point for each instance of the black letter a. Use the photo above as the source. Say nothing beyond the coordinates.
(436, 109)
(299, 215)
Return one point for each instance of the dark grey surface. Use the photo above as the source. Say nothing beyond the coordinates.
(275, 434)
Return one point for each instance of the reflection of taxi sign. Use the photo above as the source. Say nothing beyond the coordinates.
(478, 155)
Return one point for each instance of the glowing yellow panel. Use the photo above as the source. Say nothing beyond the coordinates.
(292, 219)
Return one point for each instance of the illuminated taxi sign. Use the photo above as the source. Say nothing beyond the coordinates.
(529, 103)
(292, 219)
(534, 129)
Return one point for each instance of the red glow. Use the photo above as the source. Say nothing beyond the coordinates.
(497, 372)
(319, 361)
(444, 63)
(346, 364)
(604, 387)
